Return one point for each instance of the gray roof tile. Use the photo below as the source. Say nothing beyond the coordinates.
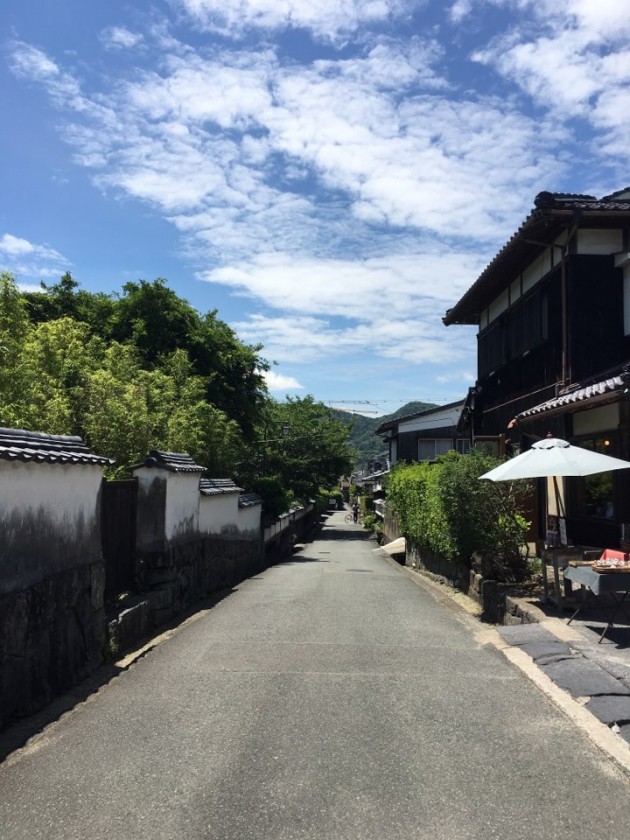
(217, 486)
(171, 461)
(249, 500)
(595, 389)
(39, 447)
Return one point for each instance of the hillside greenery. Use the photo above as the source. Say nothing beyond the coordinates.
(363, 438)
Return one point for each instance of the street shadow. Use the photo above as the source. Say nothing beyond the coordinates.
(17, 734)
(619, 636)
(331, 533)
(295, 560)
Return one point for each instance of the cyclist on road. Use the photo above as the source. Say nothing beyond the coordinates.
(355, 512)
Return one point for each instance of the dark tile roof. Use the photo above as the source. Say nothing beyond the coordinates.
(390, 424)
(38, 447)
(552, 213)
(217, 486)
(171, 461)
(249, 500)
(569, 201)
(595, 391)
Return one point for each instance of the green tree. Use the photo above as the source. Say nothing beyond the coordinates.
(66, 299)
(234, 373)
(14, 329)
(59, 356)
(300, 448)
(155, 320)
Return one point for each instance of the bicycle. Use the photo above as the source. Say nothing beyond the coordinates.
(349, 517)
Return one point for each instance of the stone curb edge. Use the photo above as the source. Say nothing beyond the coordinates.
(614, 747)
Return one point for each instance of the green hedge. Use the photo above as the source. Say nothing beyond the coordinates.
(445, 508)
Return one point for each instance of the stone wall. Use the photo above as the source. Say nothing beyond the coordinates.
(421, 558)
(175, 579)
(52, 635)
(191, 570)
(391, 530)
(52, 574)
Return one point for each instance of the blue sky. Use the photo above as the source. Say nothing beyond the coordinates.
(331, 175)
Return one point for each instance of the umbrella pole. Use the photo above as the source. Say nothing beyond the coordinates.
(560, 516)
(559, 507)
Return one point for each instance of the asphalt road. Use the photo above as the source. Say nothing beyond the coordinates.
(330, 698)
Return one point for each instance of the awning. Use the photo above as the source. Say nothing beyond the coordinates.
(607, 390)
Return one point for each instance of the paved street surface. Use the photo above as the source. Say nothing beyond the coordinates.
(330, 698)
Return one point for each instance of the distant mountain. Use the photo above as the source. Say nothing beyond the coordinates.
(362, 429)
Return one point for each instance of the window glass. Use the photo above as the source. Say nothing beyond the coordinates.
(488, 447)
(593, 494)
(443, 445)
(426, 450)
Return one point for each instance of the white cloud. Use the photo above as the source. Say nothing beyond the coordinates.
(405, 284)
(280, 382)
(217, 144)
(327, 19)
(27, 260)
(572, 58)
(119, 37)
(352, 197)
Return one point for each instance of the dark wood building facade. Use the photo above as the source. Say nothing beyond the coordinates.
(553, 312)
(424, 435)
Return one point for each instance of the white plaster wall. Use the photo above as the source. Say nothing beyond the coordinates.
(499, 305)
(249, 519)
(61, 492)
(182, 504)
(218, 513)
(599, 241)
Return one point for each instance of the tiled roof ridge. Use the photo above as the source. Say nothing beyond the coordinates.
(544, 202)
(551, 200)
(249, 500)
(171, 461)
(213, 486)
(23, 445)
(602, 387)
(547, 198)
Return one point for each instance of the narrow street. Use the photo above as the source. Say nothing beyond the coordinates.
(330, 698)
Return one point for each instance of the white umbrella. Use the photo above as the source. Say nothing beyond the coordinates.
(554, 457)
(551, 458)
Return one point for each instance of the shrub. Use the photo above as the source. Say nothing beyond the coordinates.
(445, 508)
(413, 491)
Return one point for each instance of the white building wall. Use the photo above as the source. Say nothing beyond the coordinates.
(64, 494)
(182, 504)
(218, 513)
(49, 521)
(599, 241)
(249, 519)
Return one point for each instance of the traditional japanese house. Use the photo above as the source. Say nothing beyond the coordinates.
(424, 435)
(553, 312)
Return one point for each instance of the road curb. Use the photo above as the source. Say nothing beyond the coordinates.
(605, 739)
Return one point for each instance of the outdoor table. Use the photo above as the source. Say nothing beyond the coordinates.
(559, 558)
(616, 584)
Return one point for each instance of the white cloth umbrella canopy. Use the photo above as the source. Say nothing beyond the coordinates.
(554, 457)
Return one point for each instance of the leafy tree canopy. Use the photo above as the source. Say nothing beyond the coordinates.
(302, 446)
(145, 370)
